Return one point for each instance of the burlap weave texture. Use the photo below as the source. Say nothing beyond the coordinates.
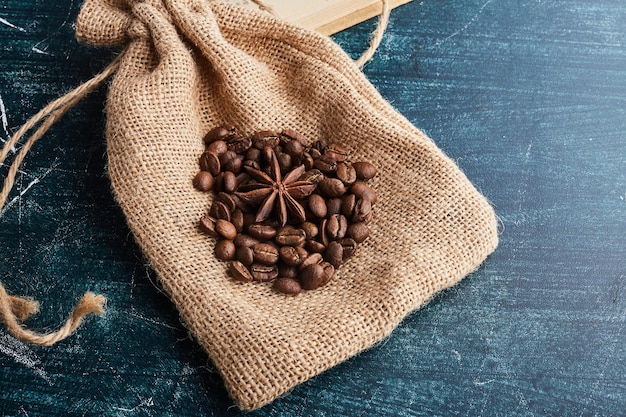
(190, 65)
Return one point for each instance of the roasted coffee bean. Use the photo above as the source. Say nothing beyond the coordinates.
(252, 164)
(334, 253)
(225, 229)
(284, 162)
(287, 271)
(240, 272)
(314, 246)
(287, 286)
(207, 225)
(253, 154)
(362, 190)
(219, 182)
(312, 276)
(210, 162)
(230, 182)
(312, 259)
(358, 231)
(348, 202)
(245, 255)
(265, 138)
(236, 218)
(308, 161)
(219, 210)
(325, 164)
(317, 204)
(315, 154)
(242, 178)
(218, 147)
(294, 149)
(346, 173)
(349, 247)
(239, 144)
(320, 145)
(333, 206)
(337, 152)
(242, 240)
(265, 254)
(225, 249)
(290, 236)
(364, 170)
(314, 175)
(310, 229)
(262, 231)
(336, 226)
(227, 199)
(293, 256)
(231, 161)
(332, 187)
(203, 181)
(292, 134)
(219, 133)
(362, 210)
(263, 273)
(267, 154)
(329, 271)
(323, 236)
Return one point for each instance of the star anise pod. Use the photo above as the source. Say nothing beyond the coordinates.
(276, 191)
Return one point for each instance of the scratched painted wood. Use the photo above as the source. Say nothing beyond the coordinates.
(528, 97)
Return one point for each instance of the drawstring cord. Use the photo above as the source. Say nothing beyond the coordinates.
(13, 309)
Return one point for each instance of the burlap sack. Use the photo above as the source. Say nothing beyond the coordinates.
(190, 65)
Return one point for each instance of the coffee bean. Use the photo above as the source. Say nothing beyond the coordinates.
(219, 210)
(308, 161)
(362, 190)
(252, 164)
(294, 135)
(337, 152)
(364, 170)
(227, 199)
(348, 202)
(317, 204)
(294, 149)
(346, 173)
(243, 240)
(253, 154)
(230, 182)
(231, 161)
(332, 187)
(263, 273)
(336, 226)
(323, 236)
(362, 210)
(314, 175)
(236, 218)
(349, 247)
(240, 272)
(312, 259)
(245, 255)
(210, 162)
(310, 229)
(261, 231)
(314, 246)
(290, 236)
(329, 271)
(219, 182)
(203, 181)
(284, 162)
(218, 147)
(293, 256)
(325, 164)
(225, 229)
(312, 276)
(315, 154)
(287, 271)
(265, 254)
(219, 133)
(333, 206)
(334, 253)
(239, 144)
(207, 225)
(287, 285)
(225, 250)
(358, 231)
(265, 138)
(320, 145)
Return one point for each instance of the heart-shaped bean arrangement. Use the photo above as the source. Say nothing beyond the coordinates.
(285, 210)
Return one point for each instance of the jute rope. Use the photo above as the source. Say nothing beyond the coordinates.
(13, 309)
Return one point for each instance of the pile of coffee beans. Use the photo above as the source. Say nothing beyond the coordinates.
(285, 210)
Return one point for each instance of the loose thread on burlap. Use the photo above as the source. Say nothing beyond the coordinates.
(14, 310)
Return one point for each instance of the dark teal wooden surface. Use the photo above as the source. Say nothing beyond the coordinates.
(528, 97)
